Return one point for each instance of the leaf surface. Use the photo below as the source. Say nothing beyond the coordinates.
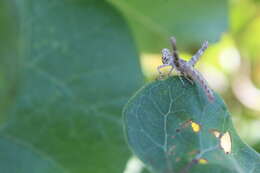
(8, 56)
(191, 22)
(173, 127)
(66, 115)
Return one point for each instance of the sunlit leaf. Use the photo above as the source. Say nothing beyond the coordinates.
(250, 40)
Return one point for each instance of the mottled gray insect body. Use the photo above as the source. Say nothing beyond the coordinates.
(186, 68)
(167, 57)
(198, 54)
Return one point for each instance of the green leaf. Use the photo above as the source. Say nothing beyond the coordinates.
(257, 147)
(160, 123)
(78, 66)
(191, 22)
(8, 56)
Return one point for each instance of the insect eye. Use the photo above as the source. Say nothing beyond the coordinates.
(164, 59)
(165, 56)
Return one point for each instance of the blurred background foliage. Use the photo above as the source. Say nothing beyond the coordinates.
(231, 64)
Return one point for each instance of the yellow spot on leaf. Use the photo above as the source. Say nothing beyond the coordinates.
(225, 142)
(202, 161)
(195, 127)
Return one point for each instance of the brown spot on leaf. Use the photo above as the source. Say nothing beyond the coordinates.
(216, 133)
(193, 152)
(171, 150)
(186, 124)
(177, 159)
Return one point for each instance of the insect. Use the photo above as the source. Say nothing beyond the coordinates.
(185, 68)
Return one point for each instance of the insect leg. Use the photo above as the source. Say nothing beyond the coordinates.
(194, 59)
(188, 78)
(180, 77)
(176, 56)
(170, 70)
(161, 66)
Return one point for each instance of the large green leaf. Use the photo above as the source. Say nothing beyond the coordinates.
(174, 128)
(191, 22)
(8, 55)
(78, 66)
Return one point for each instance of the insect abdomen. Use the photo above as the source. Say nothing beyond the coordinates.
(196, 76)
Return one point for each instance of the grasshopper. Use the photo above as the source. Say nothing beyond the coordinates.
(185, 68)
